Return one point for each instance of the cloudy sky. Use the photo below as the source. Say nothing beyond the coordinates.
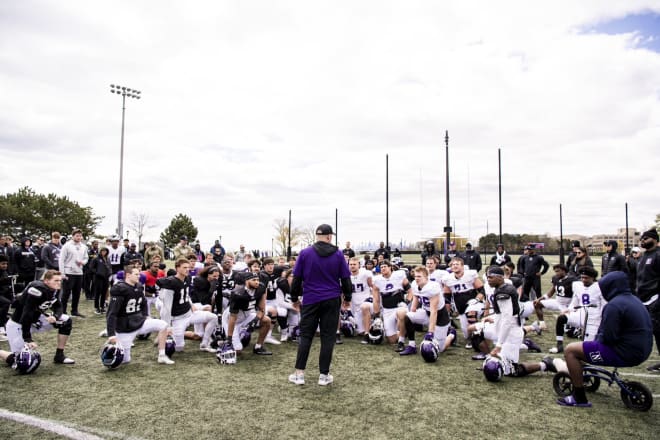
(252, 108)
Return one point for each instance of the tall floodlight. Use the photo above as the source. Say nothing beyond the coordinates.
(130, 93)
(561, 237)
(387, 201)
(288, 248)
(499, 172)
(627, 246)
(447, 227)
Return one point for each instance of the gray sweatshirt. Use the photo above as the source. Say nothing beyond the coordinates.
(73, 257)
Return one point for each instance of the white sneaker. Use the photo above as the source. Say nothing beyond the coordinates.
(325, 379)
(284, 337)
(103, 333)
(204, 347)
(163, 359)
(298, 379)
(272, 341)
(553, 350)
(468, 346)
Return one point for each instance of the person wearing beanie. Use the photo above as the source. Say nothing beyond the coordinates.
(648, 283)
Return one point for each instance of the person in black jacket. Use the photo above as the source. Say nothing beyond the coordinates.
(612, 260)
(500, 257)
(534, 266)
(429, 250)
(26, 261)
(101, 271)
(127, 316)
(204, 285)
(38, 307)
(471, 258)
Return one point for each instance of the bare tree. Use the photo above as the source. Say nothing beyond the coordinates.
(139, 222)
(282, 235)
(308, 235)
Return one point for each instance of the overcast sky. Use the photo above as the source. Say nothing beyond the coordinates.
(252, 108)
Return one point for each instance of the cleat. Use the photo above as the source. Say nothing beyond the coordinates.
(284, 337)
(297, 379)
(204, 347)
(400, 346)
(325, 379)
(555, 350)
(532, 346)
(537, 328)
(479, 357)
(78, 315)
(163, 359)
(365, 339)
(549, 364)
(103, 334)
(655, 368)
(468, 346)
(261, 351)
(338, 340)
(570, 401)
(64, 360)
(271, 340)
(408, 351)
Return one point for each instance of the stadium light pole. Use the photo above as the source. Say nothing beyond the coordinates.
(561, 236)
(447, 227)
(627, 246)
(499, 173)
(131, 93)
(288, 248)
(387, 200)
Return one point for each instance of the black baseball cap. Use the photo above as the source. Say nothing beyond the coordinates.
(324, 229)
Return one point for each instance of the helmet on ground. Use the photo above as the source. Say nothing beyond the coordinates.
(474, 310)
(170, 346)
(226, 354)
(26, 361)
(376, 331)
(245, 336)
(493, 368)
(112, 355)
(429, 350)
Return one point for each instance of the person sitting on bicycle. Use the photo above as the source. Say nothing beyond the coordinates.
(624, 338)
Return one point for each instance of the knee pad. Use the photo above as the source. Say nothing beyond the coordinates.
(519, 370)
(65, 327)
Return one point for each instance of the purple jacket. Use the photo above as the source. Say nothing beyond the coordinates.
(321, 273)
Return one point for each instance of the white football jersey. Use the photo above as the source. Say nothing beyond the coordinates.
(463, 284)
(360, 283)
(589, 296)
(392, 285)
(437, 276)
(114, 255)
(427, 292)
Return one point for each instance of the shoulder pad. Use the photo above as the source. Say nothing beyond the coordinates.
(34, 292)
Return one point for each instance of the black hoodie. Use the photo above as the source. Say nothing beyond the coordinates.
(626, 324)
(613, 261)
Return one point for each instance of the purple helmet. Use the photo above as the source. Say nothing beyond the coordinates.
(245, 336)
(226, 354)
(170, 346)
(429, 350)
(26, 361)
(376, 332)
(112, 355)
(493, 368)
(347, 323)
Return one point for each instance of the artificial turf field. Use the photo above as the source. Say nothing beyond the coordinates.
(376, 394)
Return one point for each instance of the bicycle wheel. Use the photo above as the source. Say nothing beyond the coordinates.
(561, 383)
(637, 396)
(591, 383)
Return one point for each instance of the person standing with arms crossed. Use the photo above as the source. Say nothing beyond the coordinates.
(321, 276)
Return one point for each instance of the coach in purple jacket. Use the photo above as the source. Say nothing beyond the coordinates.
(320, 275)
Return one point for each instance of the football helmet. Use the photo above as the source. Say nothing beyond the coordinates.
(112, 355)
(170, 346)
(429, 350)
(245, 335)
(474, 310)
(493, 368)
(347, 323)
(376, 332)
(226, 354)
(26, 361)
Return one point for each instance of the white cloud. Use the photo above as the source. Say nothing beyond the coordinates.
(252, 109)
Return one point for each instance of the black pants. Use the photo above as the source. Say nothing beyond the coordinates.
(529, 283)
(325, 315)
(71, 288)
(100, 291)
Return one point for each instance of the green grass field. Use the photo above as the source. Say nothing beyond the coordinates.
(377, 394)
